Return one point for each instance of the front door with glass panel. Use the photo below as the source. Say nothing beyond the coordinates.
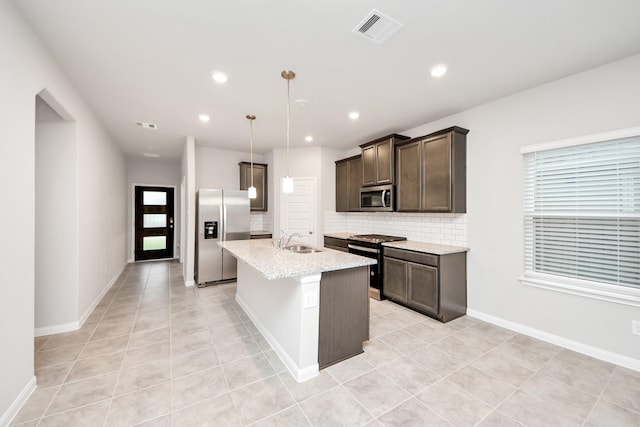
(154, 223)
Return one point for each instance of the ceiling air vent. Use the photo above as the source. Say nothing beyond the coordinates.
(377, 26)
(147, 125)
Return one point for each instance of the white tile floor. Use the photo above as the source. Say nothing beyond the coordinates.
(155, 353)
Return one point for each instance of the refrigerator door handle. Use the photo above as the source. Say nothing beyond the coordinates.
(224, 222)
(221, 226)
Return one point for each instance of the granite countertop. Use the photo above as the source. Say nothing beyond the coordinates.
(343, 235)
(429, 248)
(277, 264)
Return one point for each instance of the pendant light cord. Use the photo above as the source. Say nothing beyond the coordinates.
(251, 139)
(288, 121)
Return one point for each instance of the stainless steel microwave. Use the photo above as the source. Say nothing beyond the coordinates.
(379, 198)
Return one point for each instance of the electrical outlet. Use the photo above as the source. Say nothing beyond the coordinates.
(310, 299)
(635, 327)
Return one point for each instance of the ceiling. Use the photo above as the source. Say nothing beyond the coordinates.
(151, 61)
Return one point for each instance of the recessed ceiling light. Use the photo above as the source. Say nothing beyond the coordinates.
(302, 103)
(308, 138)
(219, 76)
(154, 155)
(204, 118)
(438, 70)
(354, 115)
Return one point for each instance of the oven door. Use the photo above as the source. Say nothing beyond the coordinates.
(379, 199)
(375, 271)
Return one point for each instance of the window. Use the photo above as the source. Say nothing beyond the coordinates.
(582, 216)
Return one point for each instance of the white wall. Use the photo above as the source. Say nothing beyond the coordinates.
(602, 99)
(161, 173)
(219, 168)
(188, 172)
(102, 180)
(26, 70)
(56, 222)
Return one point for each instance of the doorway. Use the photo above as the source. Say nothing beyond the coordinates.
(154, 223)
(298, 210)
(56, 286)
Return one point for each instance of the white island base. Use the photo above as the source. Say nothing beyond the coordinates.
(286, 312)
(313, 308)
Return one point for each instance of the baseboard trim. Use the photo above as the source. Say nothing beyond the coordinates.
(298, 373)
(74, 326)
(598, 353)
(97, 300)
(189, 283)
(17, 404)
(56, 329)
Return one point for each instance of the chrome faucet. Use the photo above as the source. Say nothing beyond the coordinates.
(281, 245)
(298, 235)
(281, 240)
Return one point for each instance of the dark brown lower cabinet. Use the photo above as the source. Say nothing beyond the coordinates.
(344, 314)
(336, 244)
(395, 279)
(422, 291)
(435, 285)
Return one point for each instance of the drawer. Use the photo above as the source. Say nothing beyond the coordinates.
(417, 257)
(260, 236)
(331, 242)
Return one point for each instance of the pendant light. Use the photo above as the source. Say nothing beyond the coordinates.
(252, 190)
(287, 181)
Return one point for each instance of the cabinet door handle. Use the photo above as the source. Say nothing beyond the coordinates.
(363, 249)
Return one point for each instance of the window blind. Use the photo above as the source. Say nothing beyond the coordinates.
(582, 212)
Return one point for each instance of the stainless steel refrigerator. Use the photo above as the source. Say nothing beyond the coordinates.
(221, 215)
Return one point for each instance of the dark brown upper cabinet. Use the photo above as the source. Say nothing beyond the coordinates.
(378, 160)
(261, 202)
(431, 172)
(348, 183)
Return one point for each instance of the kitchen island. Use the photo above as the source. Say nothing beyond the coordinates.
(312, 308)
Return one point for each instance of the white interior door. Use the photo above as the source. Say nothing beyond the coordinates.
(298, 210)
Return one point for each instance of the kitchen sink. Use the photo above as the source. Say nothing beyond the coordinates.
(302, 249)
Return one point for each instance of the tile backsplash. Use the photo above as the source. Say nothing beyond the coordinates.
(260, 221)
(446, 229)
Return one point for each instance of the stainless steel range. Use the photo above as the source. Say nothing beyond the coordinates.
(370, 246)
